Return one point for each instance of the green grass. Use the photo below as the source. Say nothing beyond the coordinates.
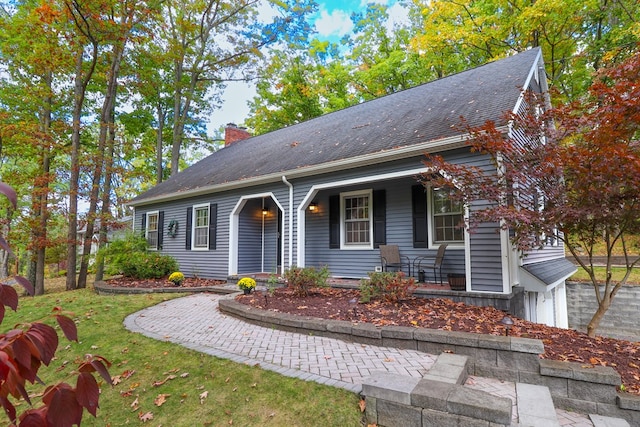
(236, 394)
(618, 273)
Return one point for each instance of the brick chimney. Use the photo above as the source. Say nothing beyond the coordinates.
(233, 133)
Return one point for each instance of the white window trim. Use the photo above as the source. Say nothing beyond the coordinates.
(146, 230)
(430, 223)
(343, 244)
(193, 226)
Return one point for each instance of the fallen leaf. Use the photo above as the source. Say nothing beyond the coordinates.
(363, 405)
(184, 375)
(159, 383)
(161, 399)
(145, 417)
(203, 396)
(128, 373)
(388, 359)
(135, 404)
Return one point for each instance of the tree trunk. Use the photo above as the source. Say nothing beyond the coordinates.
(80, 86)
(41, 192)
(105, 214)
(79, 92)
(594, 323)
(160, 115)
(105, 125)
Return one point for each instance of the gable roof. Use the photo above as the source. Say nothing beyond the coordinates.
(423, 118)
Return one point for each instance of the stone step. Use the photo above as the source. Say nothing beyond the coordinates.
(535, 406)
(449, 368)
(601, 421)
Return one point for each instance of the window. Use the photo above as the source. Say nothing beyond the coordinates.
(151, 231)
(446, 217)
(357, 224)
(201, 227)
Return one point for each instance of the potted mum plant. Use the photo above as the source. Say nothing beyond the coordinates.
(177, 278)
(247, 284)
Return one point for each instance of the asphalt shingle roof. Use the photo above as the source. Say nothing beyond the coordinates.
(428, 112)
(551, 271)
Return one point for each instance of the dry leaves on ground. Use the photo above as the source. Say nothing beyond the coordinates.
(444, 314)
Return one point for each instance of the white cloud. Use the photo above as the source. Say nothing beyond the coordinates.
(334, 23)
(398, 14)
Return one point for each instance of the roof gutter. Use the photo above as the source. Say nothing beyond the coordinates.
(444, 144)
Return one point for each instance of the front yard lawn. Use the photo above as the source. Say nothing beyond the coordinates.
(170, 385)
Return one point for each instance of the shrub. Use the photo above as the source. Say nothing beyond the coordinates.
(300, 280)
(118, 252)
(148, 265)
(388, 286)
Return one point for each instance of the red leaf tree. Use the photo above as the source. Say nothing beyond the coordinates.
(572, 172)
(24, 350)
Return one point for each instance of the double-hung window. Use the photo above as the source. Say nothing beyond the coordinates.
(151, 231)
(357, 221)
(201, 227)
(446, 217)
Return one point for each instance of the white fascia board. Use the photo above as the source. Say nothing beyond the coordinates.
(444, 144)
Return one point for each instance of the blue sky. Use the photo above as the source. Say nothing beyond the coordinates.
(331, 22)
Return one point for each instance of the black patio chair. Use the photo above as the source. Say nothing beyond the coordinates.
(431, 263)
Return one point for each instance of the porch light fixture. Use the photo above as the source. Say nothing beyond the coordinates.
(313, 207)
(508, 323)
(265, 211)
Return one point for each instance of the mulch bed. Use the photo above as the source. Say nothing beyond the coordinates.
(440, 313)
(189, 282)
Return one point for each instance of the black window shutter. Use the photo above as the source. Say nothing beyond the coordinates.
(213, 225)
(187, 229)
(144, 225)
(419, 212)
(160, 229)
(379, 218)
(334, 222)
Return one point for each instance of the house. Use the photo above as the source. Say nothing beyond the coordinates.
(330, 190)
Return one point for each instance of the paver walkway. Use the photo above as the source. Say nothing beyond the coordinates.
(195, 322)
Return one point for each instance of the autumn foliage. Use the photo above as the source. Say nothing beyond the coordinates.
(26, 348)
(570, 173)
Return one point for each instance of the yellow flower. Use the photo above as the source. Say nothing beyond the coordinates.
(176, 277)
(246, 283)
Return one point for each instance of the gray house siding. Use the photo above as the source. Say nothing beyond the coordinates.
(399, 226)
(252, 257)
(357, 263)
(215, 263)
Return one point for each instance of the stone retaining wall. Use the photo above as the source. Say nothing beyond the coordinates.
(621, 321)
(585, 389)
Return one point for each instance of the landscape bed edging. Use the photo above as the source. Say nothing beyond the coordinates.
(103, 288)
(591, 390)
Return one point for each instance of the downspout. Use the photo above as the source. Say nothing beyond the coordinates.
(284, 179)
